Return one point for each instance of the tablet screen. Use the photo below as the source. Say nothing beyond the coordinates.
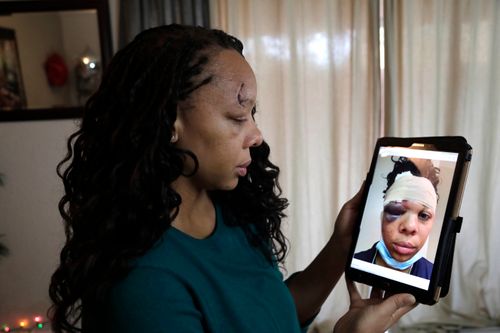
(404, 212)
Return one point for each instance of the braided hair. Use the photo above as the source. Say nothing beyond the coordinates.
(120, 164)
(417, 167)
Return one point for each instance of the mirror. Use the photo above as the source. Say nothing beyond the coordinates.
(52, 54)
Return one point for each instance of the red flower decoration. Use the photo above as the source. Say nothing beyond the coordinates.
(56, 70)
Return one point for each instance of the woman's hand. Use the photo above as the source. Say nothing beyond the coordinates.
(375, 314)
(344, 225)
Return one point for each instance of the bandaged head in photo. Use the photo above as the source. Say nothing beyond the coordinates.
(406, 186)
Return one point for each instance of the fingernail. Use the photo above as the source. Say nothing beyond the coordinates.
(410, 300)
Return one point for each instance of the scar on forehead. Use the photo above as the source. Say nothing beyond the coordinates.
(243, 94)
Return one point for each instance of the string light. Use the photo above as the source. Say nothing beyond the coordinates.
(24, 325)
(38, 321)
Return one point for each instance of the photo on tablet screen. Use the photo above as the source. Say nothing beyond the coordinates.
(403, 215)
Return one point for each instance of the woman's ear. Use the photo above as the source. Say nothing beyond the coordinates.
(174, 137)
(176, 128)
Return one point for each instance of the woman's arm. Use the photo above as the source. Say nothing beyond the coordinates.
(311, 287)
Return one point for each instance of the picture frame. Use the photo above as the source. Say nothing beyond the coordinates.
(12, 95)
(45, 28)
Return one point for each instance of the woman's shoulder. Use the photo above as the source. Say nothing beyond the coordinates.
(366, 255)
(423, 262)
(422, 268)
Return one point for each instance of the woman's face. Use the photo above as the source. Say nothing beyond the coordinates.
(405, 227)
(216, 123)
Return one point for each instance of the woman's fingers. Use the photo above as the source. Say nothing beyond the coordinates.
(353, 291)
(395, 307)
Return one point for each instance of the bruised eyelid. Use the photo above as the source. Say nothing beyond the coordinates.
(392, 211)
(394, 207)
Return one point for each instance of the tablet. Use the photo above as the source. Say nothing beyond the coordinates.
(405, 234)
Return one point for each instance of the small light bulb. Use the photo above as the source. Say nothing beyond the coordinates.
(86, 60)
(23, 323)
(37, 319)
(92, 65)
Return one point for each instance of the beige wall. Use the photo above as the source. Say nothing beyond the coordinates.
(29, 153)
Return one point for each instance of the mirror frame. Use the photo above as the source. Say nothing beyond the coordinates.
(104, 26)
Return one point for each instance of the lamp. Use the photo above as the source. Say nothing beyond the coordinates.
(88, 75)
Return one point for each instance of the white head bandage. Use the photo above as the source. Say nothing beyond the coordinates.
(409, 187)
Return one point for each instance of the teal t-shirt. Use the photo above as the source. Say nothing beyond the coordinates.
(217, 284)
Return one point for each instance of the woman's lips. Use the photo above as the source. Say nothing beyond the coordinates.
(404, 248)
(242, 169)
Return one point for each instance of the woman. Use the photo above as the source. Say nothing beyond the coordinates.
(410, 202)
(173, 209)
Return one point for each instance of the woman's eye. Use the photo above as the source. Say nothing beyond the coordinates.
(391, 217)
(424, 216)
(239, 120)
(392, 212)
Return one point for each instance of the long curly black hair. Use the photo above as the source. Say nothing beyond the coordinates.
(120, 164)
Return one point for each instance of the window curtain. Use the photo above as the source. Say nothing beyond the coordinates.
(442, 77)
(318, 106)
(138, 15)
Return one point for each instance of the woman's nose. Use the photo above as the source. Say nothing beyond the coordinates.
(255, 137)
(409, 224)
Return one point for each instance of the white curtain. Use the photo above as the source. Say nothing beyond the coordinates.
(318, 106)
(442, 77)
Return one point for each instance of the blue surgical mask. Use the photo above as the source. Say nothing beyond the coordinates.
(389, 260)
